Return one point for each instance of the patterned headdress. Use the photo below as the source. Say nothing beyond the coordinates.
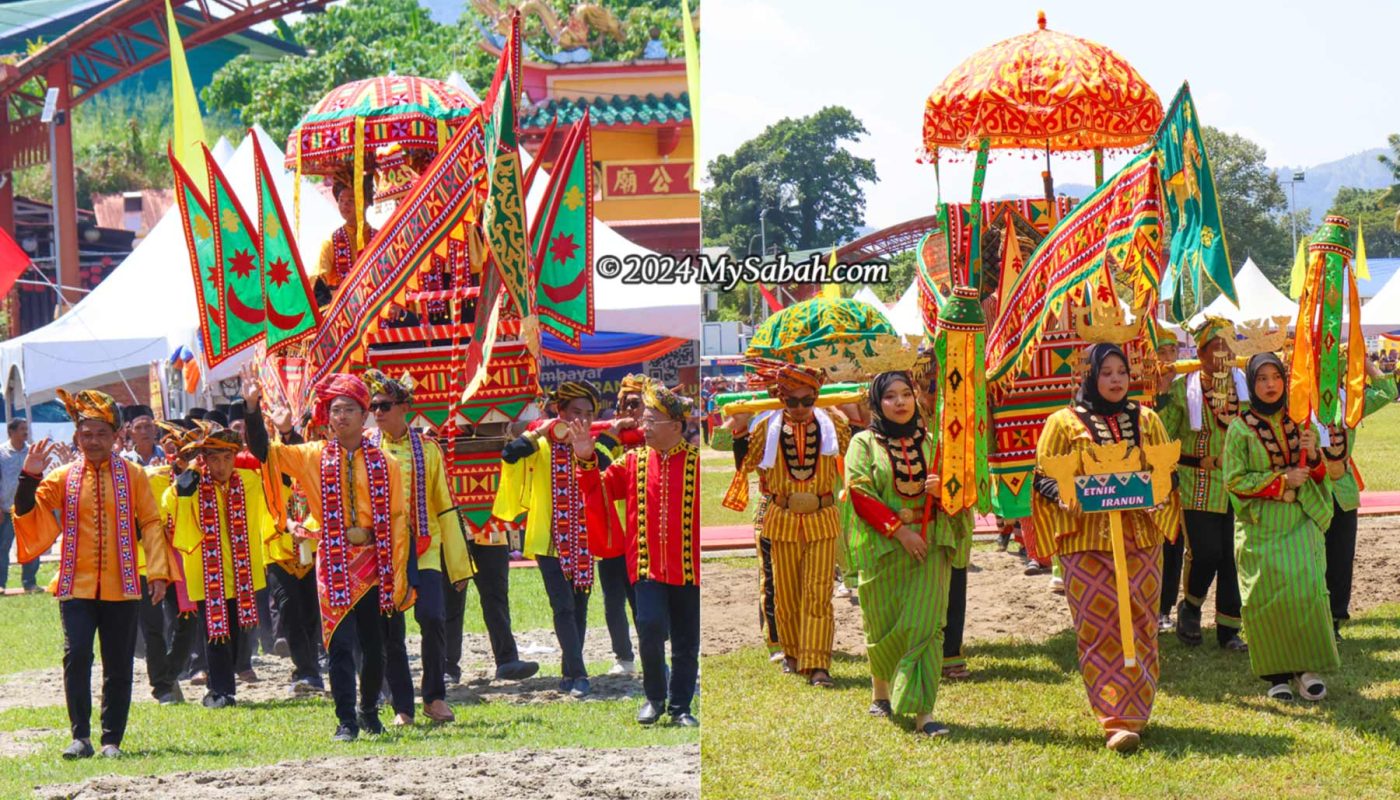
(633, 383)
(336, 385)
(659, 398)
(178, 433)
(400, 391)
(210, 437)
(784, 378)
(569, 391)
(91, 404)
(1214, 327)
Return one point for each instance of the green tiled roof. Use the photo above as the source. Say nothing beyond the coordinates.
(619, 110)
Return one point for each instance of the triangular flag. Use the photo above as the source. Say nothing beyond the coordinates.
(188, 125)
(831, 291)
(562, 240)
(290, 302)
(238, 265)
(692, 75)
(13, 262)
(199, 242)
(1300, 271)
(1362, 271)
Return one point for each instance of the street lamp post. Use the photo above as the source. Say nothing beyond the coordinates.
(1293, 204)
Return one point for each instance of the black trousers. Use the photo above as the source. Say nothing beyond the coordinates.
(957, 614)
(360, 626)
(299, 613)
(222, 656)
(570, 615)
(114, 623)
(1172, 553)
(1341, 559)
(1211, 559)
(662, 608)
(767, 604)
(396, 674)
(167, 636)
(430, 613)
(492, 581)
(618, 598)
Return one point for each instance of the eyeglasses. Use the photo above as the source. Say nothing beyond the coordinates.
(805, 402)
(383, 405)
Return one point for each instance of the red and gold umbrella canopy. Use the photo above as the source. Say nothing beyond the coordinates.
(1042, 90)
(356, 118)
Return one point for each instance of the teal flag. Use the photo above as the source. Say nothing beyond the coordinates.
(290, 303)
(562, 241)
(1197, 247)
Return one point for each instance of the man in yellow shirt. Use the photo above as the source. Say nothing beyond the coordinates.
(356, 493)
(99, 507)
(440, 544)
(221, 526)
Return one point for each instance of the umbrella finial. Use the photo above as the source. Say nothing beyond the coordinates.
(1040, 18)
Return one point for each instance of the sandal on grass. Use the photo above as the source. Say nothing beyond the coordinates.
(821, 678)
(881, 708)
(1281, 692)
(932, 729)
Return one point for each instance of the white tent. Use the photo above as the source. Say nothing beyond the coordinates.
(146, 307)
(1259, 299)
(867, 295)
(1381, 314)
(905, 314)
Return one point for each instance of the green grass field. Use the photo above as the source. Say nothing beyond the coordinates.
(1022, 727)
(1377, 450)
(189, 737)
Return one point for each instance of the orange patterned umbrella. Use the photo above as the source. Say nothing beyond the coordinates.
(1042, 90)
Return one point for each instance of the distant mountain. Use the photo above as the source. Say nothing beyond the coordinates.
(1321, 182)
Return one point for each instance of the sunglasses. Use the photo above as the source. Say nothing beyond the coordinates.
(632, 405)
(383, 405)
(805, 402)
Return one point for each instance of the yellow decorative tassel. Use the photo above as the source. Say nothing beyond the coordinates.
(1300, 271)
(359, 145)
(1362, 271)
(1356, 355)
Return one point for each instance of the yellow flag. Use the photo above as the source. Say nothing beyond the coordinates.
(692, 75)
(1300, 271)
(189, 127)
(831, 291)
(1362, 271)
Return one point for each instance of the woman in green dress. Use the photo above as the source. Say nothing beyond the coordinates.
(1281, 511)
(904, 549)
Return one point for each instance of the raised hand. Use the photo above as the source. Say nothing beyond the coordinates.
(252, 385)
(281, 418)
(38, 456)
(581, 438)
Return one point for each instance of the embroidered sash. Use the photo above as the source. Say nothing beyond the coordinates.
(215, 605)
(420, 487)
(126, 541)
(333, 527)
(569, 528)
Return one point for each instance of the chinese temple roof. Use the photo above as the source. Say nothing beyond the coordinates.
(618, 110)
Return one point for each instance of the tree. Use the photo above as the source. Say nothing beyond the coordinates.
(119, 144)
(1375, 210)
(799, 175)
(1253, 207)
(364, 38)
(1392, 162)
(349, 42)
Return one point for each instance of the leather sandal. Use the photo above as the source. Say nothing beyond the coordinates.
(821, 678)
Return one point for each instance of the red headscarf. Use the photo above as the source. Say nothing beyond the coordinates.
(336, 385)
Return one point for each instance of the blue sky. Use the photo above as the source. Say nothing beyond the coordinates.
(1309, 81)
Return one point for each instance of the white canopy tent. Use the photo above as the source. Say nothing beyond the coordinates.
(1259, 299)
(905, 314)
(146, 308)
(867, 295)
(1381, 314)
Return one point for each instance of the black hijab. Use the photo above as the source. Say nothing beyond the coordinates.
(1252, 371)
(883, 426)
(1089, 390)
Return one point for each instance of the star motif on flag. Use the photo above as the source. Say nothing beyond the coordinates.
(573, 198)
(241, 264)
(279, 274)
(563, 248)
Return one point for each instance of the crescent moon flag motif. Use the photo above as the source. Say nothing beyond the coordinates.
(289, 302)
(236, 250)
(562, 241)
(199, 241)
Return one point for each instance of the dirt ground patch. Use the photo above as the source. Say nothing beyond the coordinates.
(21, 742)
(44, 687)
(572, 774)
(1001, 601)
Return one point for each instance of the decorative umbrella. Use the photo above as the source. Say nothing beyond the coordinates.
(820, 327)
(408, 116)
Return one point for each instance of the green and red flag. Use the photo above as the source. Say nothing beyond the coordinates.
(290, 303)
(504, 216)
(198, 224)
(562, 241)
(238, 264)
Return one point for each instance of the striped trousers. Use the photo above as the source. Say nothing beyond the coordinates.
(802, 581)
